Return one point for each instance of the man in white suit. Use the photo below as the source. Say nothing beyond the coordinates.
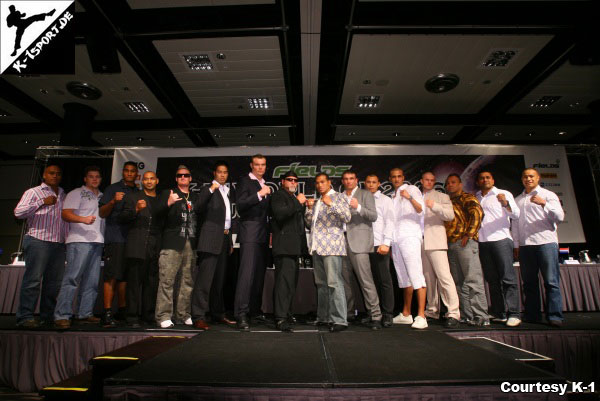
(438, 208)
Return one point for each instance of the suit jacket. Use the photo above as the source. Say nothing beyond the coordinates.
(253, 212)
(435, 232)
(212, 220)
(146, 226)
(360, 227)
(327, 229)
(289, 234)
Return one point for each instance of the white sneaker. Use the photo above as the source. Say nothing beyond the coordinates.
(188, 322)
(166, 324)
(401, 319)
(513, 322)
(420, 323)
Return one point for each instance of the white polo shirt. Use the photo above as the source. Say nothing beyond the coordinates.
(84, 203)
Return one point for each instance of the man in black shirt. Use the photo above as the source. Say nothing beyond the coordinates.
(146, 212)
(178, 252)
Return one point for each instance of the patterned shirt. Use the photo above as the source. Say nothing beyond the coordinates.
(468, 215)
(44, 222)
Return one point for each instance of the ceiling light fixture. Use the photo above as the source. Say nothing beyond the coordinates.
(368, 101)
(530, 134)
(221, 56)
(140, 139)
(497, 133)
(562, 133)
(249, 136)
(499, 58)
(137, 107)
(272, 134)
(198, 62)
(217, 135)
(574, 105)
(351, 133)
(4, 113)
(545, 102)
(396, 134)
(441, 83)
(83, 90)
(259, 103)
(108, 139)
(441, 133)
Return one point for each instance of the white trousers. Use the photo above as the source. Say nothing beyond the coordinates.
(406, 254)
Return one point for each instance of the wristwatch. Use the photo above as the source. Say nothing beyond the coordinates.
(411, 198)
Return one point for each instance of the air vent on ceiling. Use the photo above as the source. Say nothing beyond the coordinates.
(198, 62)
(499, 58)
(259, 103)
(545, 102)
(83, 90)
(137, 107)
(4, 113)
(368, 101)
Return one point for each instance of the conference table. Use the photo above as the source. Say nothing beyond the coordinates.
(580, 288)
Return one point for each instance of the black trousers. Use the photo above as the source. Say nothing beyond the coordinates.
(380, 266)
(286, 279)
(142, 286)
(208, 286)
(251, 278)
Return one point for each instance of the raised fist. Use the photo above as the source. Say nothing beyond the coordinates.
(50, 200)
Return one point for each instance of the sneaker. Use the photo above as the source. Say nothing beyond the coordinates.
(420, 323)
(499, 319)
(513, 322)
(479, 321)
(451, 323)
(166, 324)
(188, 322)
(401, 319)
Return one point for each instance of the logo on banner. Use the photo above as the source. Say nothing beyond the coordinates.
(37, 37)
(309, 171)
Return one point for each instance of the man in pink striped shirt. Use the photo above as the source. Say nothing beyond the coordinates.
(43, 246)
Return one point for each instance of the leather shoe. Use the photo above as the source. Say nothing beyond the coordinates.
(88, 320)
(316, 322)
(62, 324)
(284, 325)
(337, 327)
(226, 321)
(292, 320)
(201, 324)
(108, 320)
(451, 323)
(260, 318)
(374, 324)
(242, 324)
(387, 320)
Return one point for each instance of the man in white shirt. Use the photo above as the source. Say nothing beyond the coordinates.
(383, 229)
(408, 206)
(496, 249)
(84, 251)
(536, 247)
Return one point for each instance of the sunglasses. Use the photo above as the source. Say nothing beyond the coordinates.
(291, 179)
(183, 175)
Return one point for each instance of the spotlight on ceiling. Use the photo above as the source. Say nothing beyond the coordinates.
(442, 83)
(83, 90)
(545, 102)
(368, 101)
(198, 62)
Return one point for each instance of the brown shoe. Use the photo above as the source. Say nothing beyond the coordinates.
(226, 321)
(201, 324)
(87, 320)
(62, 324)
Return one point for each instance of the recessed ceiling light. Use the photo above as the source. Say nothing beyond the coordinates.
(217, 135)
(25, 140)
(442, 83)
(221, 56)
(83, 90)
(367, 101)
(44, 91)
(109, 139)
(545, 102)
(249, 136)
(440, 133)
(497, 133)
(140, 139)
(172, 137)
(198, 62)
(137, 107)
(574, 105)
(396, 134)
(272, 134)
(499, 58)
(562, 133)
(56, 140)
(351, 133)
(259, 103)
(530, 134)
(4, 113)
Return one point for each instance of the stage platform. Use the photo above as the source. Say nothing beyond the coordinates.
(321, 364)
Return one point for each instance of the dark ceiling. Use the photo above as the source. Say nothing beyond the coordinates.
(524, 72)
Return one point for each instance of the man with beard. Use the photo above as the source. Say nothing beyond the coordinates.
(289, 243)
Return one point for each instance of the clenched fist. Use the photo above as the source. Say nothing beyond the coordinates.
(119, 196)
(141, 204)
(354, 203)
(404, 193)
(214, 186)
(301, 198)
(88, 220)
(538, 200)
(50, 200)
(429, 203)
(310, 203)
(264, 191)
(502, 199)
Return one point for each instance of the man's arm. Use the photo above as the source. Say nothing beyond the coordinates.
(246, 196)
(554, 209)
(444, 208)
(128, 213)
(341, 209)
(368, 210)
(28, 205)
(69, 216)
(475, 213)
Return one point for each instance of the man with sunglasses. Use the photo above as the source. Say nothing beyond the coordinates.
(178, 252)
(289, 243)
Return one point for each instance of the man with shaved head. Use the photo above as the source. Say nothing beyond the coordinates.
(145, 211)
(43, 246)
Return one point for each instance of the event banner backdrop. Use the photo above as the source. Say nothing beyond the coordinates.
(506, 162)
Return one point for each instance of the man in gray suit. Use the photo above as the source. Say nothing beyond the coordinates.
(359, 244)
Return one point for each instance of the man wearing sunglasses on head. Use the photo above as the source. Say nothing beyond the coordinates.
(178, 252)
(289, 243)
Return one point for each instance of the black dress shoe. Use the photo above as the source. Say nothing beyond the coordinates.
(242, 324)
(292, 320)
(337, 327)
(374, 324)
(260, 318)
(316, 322)
(284, 325)
(108, 321)
(387, 320)
(451, 323)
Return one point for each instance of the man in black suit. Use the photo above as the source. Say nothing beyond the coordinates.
(215, 246)
(289, 243)
(252, 201)
(146, 211)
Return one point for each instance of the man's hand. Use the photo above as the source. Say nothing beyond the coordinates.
(404, 193)
(502, 199)
(141, 204)
(383, 249)
(354, 203)
(49, 200)
(310, 203)
(173, 197)
(326, 200)
(464, 240)
(214, 186)
(119, 196)
(516, 254)
(429, 203)
(301, 198)
(538, 200)
(264, 191)
(88, 220)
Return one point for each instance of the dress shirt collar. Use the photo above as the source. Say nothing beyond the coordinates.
(493, 191)
(331, 191)
(377, 194)
(352, 193)
(533, 191)
(253, 177)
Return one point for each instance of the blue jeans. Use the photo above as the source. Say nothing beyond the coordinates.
(544, 259)
(43, 260)
(83, 271)
(331, 298)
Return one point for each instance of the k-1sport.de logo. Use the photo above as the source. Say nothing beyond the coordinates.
(37, 37)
